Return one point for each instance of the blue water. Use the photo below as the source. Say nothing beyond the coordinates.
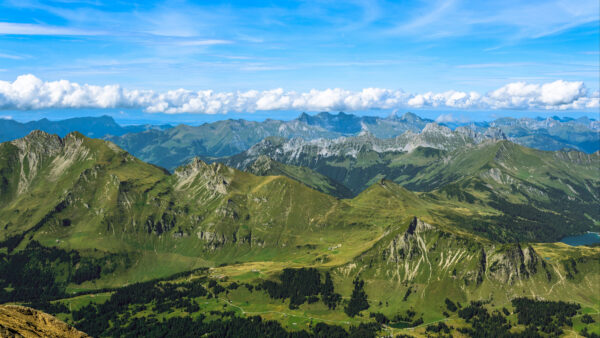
(583, 239)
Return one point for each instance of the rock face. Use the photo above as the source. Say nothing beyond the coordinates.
(424, 252)
(212, 177)
(20, 321)
(513, 263)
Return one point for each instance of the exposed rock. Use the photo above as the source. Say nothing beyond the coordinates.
(211, 177)
(20, 321)
(512, 263)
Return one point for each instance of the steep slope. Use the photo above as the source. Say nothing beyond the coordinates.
(265, 166)
(424, 264)
(42, 175)
(20, 321)
(525, 184)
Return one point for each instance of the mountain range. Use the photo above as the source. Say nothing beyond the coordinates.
(90, 126)
(170, 147)
(173, 147)
(425, 218)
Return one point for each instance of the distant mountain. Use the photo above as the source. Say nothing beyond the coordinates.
(359, 161)
(176, 146)
(172, 147)
(348, 124)
(96, 127)
(552, 133)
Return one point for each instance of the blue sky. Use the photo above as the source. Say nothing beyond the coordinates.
(404, 48)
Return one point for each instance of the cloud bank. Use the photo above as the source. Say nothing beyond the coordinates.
(28, 92)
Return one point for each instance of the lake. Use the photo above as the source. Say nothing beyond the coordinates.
(583, 239)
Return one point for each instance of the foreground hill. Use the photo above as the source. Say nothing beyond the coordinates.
(20, 321)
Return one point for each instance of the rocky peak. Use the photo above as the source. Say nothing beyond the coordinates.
(513, 263)
(40, 142)
(410, 117)
(418, 226)
(433, 127)
(466, 131)
(494, 133)
(197, 173)
(262, 164)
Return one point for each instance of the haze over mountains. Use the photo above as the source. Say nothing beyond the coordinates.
(171, 147)
(89, 126)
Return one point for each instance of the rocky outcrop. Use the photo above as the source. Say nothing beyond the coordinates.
(512, 263)
(20, 321)
(262, 166)
(215, 240)
(158, 225)
(424, 252)
(200, 176)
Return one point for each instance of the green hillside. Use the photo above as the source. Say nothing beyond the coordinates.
(264, 166)
(80, 219)
(516, 188)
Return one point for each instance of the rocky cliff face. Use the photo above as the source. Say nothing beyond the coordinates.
(512, 264)
(199, 175)
(424, 252)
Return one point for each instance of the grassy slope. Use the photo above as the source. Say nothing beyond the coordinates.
(205, 215)
(264, 166)
(499, 180)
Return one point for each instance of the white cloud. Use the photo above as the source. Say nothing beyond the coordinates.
(205, 42)
(11, 56)
(12, 28)
(445, 118)
(28, 92)
(553, 95)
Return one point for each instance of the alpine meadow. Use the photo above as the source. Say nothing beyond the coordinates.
(300, 169)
